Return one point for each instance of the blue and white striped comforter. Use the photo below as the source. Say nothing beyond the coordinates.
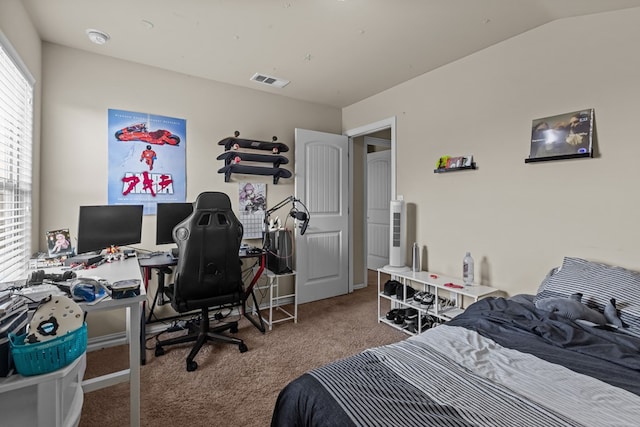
(456, 376)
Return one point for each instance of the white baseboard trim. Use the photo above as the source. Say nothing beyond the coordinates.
(120, 338)
(105, 341)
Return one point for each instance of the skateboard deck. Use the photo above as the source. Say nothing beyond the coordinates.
(233, 142)
(230, 157)
(277, 173)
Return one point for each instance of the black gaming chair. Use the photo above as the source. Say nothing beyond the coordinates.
(209, 271)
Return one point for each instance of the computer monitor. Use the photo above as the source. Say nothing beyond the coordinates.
(100, 227)
(168, 216)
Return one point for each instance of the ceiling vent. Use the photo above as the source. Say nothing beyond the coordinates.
(269, 80)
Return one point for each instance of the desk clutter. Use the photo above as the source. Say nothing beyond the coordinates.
(88, 289)
(235, 160)
(55, 336)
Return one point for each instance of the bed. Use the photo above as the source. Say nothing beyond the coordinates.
(503, 362)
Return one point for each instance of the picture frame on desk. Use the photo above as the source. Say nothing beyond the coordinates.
(59, 243)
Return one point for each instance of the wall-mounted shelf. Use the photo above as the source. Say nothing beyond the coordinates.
(559, 157)
(461, 168)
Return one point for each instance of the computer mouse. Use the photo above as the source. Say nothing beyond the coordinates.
(86, 289)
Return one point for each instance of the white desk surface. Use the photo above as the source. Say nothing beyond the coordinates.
(112, 272)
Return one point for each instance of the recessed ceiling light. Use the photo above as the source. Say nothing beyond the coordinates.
(97, 37)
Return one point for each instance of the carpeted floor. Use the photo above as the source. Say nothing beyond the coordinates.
(230, 388)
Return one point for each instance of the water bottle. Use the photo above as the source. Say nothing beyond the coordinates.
(416, 257)
(467, 269)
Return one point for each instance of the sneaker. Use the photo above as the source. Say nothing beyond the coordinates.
(425, 323)
(400, 316)
(392, 313)
(391, 286)
(418, 296)
(427, 299)
(400, 292)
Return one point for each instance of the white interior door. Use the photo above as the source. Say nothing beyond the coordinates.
(322, 184)
(378, 198)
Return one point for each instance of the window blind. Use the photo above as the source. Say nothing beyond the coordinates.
(16, 153)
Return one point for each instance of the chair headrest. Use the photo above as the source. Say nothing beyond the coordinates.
(212, 200)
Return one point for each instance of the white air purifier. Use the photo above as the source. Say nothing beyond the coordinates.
(397, 238)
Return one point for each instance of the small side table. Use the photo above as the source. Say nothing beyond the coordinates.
(275, 299)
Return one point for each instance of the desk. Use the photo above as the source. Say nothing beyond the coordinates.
(165, 260)
(249, 291)
(114, 271)
(160, 262)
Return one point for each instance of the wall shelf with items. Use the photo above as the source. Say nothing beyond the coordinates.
(457, 163)
(558, 157)
(460, 168)
(448, 296)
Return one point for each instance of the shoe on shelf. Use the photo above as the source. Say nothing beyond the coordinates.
(427, 299)
(400, 316)
(400, 292)
(418, 296)
(391, 314)
(426, 322)
(390, 287)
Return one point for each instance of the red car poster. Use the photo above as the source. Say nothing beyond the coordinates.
(147, 159)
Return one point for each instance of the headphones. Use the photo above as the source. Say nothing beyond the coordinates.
(300, 216)
(39, 276)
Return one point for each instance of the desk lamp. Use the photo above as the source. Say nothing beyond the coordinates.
(296, 214)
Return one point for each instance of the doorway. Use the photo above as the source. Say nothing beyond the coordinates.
(358, 234)
(377, 198)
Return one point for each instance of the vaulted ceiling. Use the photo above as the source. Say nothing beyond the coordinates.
(333, 52)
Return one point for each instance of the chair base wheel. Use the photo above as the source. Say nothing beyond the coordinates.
(192, 366)
(159, 351)
(243, 347)
(234, 329)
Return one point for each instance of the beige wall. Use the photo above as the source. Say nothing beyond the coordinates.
(80, 87)
(519, 220)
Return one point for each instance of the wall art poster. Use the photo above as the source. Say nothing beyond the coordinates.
(564, 135)
(147, 159)
(253, 204)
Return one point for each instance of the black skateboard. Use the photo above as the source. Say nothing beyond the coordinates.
(234, 142)
(230, 157)
(277, 173)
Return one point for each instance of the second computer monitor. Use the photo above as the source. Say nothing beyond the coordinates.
(168, 216)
